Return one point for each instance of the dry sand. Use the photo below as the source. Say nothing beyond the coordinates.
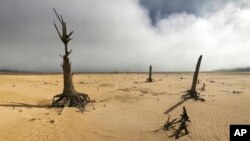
(126, 108)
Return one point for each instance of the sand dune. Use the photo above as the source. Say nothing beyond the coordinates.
(126, 107)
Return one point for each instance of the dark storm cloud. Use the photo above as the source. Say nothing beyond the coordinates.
(28, 40)
(159, 9)
(117, 35)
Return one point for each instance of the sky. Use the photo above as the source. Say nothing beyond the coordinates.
(121, 35)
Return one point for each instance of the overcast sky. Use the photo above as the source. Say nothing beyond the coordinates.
(121, 35)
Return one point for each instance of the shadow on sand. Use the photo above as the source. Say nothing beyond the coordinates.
(18, 104)
(175, 106)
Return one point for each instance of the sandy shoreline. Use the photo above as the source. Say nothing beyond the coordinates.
(130, 109)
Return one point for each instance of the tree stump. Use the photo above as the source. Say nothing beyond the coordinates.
(192, 93)
(150, 74)
(203, 86)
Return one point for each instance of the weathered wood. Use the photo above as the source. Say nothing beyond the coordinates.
(170, 124)
(69, 96)
(192, 93)
(196, 73)
(150, 74)
(203, 86)
(183, 126)
(106, 99)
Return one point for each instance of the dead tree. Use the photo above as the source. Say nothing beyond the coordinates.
(182, 121)
(69, 96)
(192, 93)
(150, 74)
(183, 126)
(203, 86)
(170, 124)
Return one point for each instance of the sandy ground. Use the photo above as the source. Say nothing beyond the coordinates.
(126, 108)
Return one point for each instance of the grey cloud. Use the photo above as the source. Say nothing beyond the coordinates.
(118, 35)
(159, 9)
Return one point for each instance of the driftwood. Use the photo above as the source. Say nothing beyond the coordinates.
(192, 93)
(150, 74)
(171, 124)
(106, 99)
(236, 92)
(183, 126)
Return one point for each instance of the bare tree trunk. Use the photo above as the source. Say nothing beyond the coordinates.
(150, 74)
(196, 73)
(69, 97)
(192, 93)
(68, 88)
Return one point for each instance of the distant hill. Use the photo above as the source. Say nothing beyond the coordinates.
(242, 69)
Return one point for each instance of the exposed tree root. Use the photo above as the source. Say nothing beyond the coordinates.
(149, 80)
(192, 94)
(79, 100)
